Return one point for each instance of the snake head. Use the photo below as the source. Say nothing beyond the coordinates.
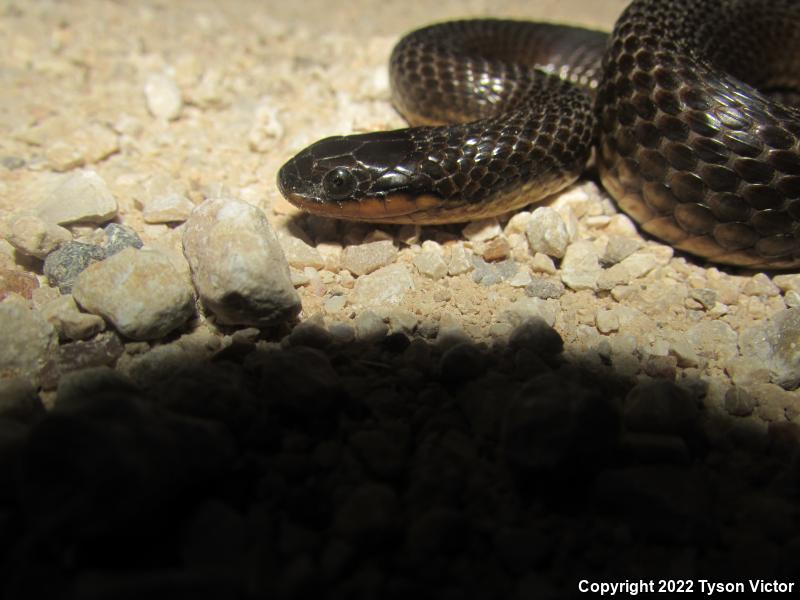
(367, 177)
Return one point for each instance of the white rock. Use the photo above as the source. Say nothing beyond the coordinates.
(138, 291)
(82, 196)
(35, 237)
(547, 233)
(581, 266)
(431, 264)
(387, 285)
(26, 340)
(459, 262)
(366, 258)
(238, 266)
(63, 314)
(163, 97)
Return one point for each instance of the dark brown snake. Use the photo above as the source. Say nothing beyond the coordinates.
(690, 105)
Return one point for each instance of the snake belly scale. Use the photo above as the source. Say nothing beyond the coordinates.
(690, 105)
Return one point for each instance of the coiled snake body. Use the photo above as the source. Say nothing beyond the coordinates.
(689, 104)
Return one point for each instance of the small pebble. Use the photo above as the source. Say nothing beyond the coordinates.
(385, 286)
(336, 303)
(119, 237)
(459, 262)
(36, 237)
(171, 207)
(363, 259)
(163, 96)
(238, 267)
(370, 327)
(431, 264)
(17, 282)
(619, 248)
(299, 254)
(607, 321)
(547, 233)
(138, 291)
(482, 230)
(580, 268)
(28, 341)
(63, 266)
(70, 322)
(545, 287)
(82, 197)
(497, 249)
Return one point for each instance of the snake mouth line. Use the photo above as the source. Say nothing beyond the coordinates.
(394, 208)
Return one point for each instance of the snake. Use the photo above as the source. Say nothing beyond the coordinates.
(688, 110)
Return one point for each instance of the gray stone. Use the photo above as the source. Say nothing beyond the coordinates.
(63, 266)
(119, 237)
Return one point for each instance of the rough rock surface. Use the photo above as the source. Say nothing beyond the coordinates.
(26, 341)
(238, 267)
(138, 292)
(82, 196)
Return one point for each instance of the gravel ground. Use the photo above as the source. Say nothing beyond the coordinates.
(205, 393)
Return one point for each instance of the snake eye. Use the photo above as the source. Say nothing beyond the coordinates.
(339, 183)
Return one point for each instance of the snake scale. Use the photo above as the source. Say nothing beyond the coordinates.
(689, 106)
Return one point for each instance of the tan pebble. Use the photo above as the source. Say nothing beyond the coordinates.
(431, 264)
(366, 258)
(788, 283)
(17, 282)
(621, 225)
(497, 249)
(35, 237)
(163, 97)
(607, 321)
(760, 285)
(70, 323)
(541, 263)
(518, 223)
